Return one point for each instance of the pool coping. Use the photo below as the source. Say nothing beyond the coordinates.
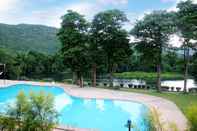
(169, 112)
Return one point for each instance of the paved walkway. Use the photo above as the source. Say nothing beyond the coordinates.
(170, 113)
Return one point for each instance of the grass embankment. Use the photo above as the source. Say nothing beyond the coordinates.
(148, 75)
(183, 101)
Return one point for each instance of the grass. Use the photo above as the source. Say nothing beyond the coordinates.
(183, 101)
(148, 75)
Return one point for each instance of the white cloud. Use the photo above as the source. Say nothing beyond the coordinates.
(82, 8)
(86, 9)
(195, 1)
(7, 5)
(166, 1)
(175, 40)
(9, 10)
(133, 39)
(50, 16)
(173, 8)
(114, 2)
(133, 18)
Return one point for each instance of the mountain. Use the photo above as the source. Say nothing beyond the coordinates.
(25, 37)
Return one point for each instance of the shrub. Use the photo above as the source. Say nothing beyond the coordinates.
(191, 113)
(148, 76)
(68, 81)
(34, 112)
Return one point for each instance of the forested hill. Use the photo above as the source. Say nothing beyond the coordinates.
(25, 37)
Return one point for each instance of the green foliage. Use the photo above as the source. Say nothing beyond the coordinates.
(31, 113)
(153, 34)
(102, 44)
(187, 30)
(107, 27)
(32, 65)
(192, 117)
(187, 10)
(25, 37)
(111, 38)
(147, 75)
(73, 35)
(172, 62)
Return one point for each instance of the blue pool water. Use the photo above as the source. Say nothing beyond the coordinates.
(105, 115)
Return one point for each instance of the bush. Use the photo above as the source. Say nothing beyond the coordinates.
(191, 113)
(149, 76)
(34, 112)
(68, 81)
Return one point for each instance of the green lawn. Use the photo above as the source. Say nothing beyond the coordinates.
(148, 75)
(183, 101)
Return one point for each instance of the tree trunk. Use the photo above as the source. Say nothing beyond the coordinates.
(94, 75)
(79, 79)
(159, 63)
(111, 78)
(74, 78)
(110, 70)
(159, 77)
(186, 61)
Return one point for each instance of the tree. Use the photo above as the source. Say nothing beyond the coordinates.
(153, 34)
(21, 63)
(194, 66)
(73, 35)
(8, 59)
(111, 38)
(171, 61)
(187, 29)
(30, 113)
(96, 55)
(96, 52)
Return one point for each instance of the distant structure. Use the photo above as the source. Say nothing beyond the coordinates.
(2, 71)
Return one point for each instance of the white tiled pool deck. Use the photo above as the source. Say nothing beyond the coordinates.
(170, 113)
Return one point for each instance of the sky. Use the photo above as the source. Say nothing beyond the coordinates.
(48, 12)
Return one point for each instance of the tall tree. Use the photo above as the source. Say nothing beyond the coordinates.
(112, 39)
(194, 66)
(153, 33)
(187, 28)
(73, 35)
(96, 54)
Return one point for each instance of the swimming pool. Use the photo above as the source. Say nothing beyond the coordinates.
(105, 115)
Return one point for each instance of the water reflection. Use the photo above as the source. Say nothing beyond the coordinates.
(127, 106)
(100, 105)
(61, 101)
